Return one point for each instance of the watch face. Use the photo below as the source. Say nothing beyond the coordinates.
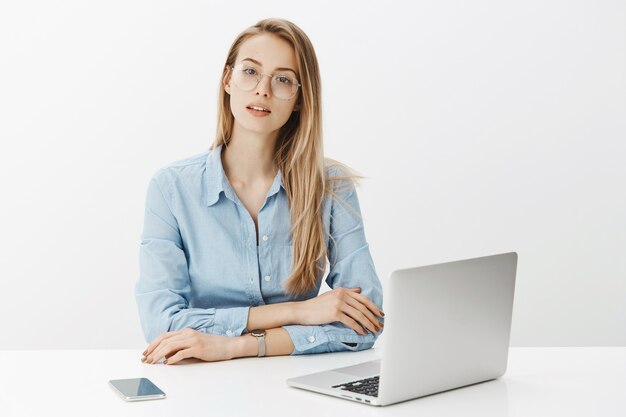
(257, 332)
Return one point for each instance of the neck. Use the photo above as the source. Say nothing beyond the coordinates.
(249, 157)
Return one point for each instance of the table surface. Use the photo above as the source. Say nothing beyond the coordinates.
(538, 382)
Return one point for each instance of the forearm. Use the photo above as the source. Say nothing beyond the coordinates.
(277, 343)
(272, 316)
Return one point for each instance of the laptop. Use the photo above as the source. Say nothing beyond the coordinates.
(446, 326)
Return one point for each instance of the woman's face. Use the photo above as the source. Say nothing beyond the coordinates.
(270, 53)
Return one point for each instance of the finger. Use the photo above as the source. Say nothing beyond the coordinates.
(179, 356)
(371, 319)
(169, 355)
(156, 342)
(368, 303)
(356, 292)
(348, 321)
(168, 347)
(166, 336)
(360, 318)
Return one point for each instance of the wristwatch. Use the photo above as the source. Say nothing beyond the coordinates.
(260, 337)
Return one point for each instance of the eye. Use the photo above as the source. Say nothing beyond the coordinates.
(283, 79)
(249, 71)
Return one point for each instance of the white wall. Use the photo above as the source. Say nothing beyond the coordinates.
(483, 127)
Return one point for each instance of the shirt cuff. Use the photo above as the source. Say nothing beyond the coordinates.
(230, 321)
(306, 338)
(334, 337)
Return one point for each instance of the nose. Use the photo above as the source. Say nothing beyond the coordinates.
(264, 86)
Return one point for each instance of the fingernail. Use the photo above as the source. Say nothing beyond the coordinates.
(144, 352)
(143, 359)
(165, 361)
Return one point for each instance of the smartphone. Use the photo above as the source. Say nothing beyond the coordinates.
(136, 389)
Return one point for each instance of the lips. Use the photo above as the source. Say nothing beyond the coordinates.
(259, 107)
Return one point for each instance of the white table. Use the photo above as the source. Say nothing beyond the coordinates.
(539, 382)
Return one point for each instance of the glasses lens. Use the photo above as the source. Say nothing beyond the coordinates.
(246, 77)
(283, 86)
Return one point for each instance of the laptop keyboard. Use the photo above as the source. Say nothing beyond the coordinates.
(367, 386)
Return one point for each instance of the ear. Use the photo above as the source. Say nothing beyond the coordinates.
(226, 82)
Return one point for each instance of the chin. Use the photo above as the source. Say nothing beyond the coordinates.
(258, 130)
(259, 126)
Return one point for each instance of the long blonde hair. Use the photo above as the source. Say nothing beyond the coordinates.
(299, 155)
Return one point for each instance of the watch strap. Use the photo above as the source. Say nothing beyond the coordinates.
(261, 340)
(260, 337)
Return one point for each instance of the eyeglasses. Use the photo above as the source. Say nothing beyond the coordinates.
(246, 77)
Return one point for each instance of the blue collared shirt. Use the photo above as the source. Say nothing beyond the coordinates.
(201, 267)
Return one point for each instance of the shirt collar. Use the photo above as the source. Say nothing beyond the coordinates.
(216, 180)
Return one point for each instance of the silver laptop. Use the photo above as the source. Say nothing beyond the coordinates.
(446, 326)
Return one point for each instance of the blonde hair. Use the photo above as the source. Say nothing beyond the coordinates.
(299, 154)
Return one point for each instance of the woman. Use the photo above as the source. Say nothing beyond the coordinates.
(236, 239)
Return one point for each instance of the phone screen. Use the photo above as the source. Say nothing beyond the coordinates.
(137, 389)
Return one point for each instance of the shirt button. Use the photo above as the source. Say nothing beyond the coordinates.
(267, 278)
(311, 339)
(229, 333)
(265, 238)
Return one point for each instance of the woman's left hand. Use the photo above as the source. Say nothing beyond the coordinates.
(189, 343)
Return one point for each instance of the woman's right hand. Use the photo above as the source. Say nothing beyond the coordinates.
(345, 305)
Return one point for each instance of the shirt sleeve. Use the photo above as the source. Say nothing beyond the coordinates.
(163, 289)
(351, 266)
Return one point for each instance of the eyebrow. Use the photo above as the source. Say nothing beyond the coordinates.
(277, 69)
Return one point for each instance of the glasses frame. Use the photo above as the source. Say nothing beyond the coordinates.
(260, 76)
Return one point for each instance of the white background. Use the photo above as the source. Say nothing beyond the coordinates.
(484, 127)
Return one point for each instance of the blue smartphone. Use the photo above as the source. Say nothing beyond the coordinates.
(136, 389)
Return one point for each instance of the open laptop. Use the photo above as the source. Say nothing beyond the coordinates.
(446, 326)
